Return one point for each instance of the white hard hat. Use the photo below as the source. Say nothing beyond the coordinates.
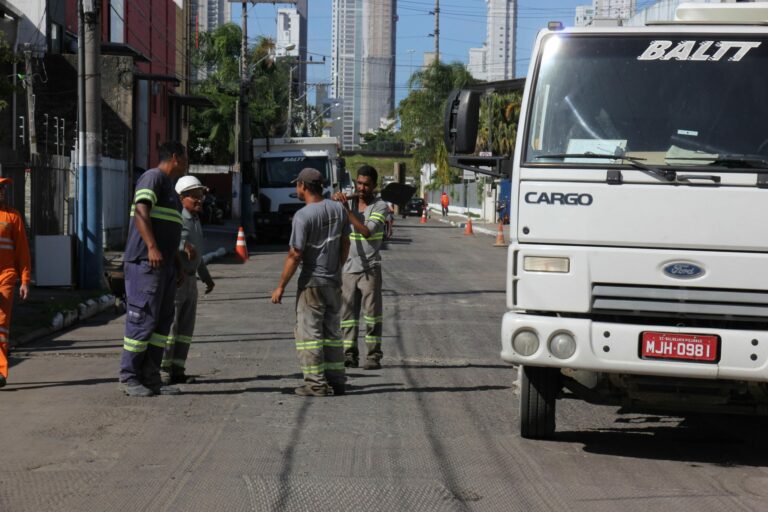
(187, 183)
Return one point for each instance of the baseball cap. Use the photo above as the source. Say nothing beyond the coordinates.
(187, 184)
(310, 176)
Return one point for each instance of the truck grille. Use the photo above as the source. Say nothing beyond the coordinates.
(747, 305)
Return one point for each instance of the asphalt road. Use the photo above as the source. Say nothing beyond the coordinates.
(435, 429)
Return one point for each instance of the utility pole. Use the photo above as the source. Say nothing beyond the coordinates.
(92, 265)
(246, 157)
(289, 123)
(28, 85)
(437, 30)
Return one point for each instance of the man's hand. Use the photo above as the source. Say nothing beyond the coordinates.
(342, 198)
(209, 286)
(190, 250)
(277, 295)
(155, 257)
(24, 291)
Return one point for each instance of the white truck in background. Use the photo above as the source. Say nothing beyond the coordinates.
(277, 162)
(637, 273)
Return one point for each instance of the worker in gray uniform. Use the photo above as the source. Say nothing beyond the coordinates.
(191, 192)
(361, 278)
(319, 244)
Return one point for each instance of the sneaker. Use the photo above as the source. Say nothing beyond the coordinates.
(166, 390)
(351, 362)
(3, 381)
(307, 390)
(136, 389)
(372, 364)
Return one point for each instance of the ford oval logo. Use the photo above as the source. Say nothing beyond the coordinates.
(683, 270)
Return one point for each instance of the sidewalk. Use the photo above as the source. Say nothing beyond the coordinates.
(48, 310)
(460, 221)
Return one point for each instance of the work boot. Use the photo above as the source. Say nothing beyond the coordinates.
(307, 390)
(351, 361)
(182, 378)
(372, 364)
(136, 389)
(3, 381)
(339, 389)
(166, 390)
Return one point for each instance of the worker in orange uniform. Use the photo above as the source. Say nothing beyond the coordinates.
(14, 264)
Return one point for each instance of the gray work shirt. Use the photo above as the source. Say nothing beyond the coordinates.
(192, 233)
(364, 252)
(317, 231)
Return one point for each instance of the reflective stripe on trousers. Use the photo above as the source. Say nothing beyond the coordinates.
(362, 290)
(318, 337)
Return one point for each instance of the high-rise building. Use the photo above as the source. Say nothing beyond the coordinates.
(605, 9)
(363, 64)
(207, 15)
(378, 85)
(496, 59)
(288, 33)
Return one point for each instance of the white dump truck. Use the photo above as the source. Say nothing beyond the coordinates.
(637, 272)
(277, 163)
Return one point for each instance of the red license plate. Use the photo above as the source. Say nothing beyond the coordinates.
(682, 347)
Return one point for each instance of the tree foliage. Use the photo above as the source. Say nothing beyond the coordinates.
(384, 139)
(213, 137)
(6, 57)
(421, 113)
(499, 114)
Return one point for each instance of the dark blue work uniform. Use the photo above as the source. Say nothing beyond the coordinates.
(150, 291)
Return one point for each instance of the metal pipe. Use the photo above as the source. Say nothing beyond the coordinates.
(80, 208)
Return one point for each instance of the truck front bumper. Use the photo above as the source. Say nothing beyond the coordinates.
(615, 348)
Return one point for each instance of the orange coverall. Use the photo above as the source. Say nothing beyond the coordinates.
(14, 263)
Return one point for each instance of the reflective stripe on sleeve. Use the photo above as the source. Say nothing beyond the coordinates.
(145, 194)
(377, 216)
(358, 236)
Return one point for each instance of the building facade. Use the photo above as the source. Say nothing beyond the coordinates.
(363, 64)
(496, 59)
(605, 9)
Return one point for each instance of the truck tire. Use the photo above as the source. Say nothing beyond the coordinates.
(539, 388)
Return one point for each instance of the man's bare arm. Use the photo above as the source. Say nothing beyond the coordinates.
(144, 225)
(292, 261)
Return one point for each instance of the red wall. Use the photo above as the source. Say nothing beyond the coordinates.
(150, 27)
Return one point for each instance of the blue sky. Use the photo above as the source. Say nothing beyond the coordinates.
(462, 26)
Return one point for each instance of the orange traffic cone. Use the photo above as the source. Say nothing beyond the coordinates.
(468, 227)
(240, 248)
(423, 215)
(500, 242)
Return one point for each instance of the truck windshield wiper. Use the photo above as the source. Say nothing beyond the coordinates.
(664, 174)
(755, 162)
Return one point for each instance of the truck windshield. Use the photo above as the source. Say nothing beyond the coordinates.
(281, 171)
(667, 99)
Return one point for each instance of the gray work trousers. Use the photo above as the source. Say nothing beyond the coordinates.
(362, 290)
(177, 346)
(318, 337)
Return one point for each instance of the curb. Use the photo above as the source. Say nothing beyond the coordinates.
(476, 229)
(64, 319)
(88, 309)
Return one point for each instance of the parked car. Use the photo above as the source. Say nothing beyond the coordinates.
(415, 206)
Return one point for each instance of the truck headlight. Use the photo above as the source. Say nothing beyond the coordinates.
(546, 264)
(525, 342)
(562, 345)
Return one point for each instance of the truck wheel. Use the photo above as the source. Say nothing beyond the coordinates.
(538, 391)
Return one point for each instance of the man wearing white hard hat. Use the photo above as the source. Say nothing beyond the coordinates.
(191, 192)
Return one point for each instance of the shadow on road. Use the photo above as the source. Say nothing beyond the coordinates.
(26, 386)
(718, 439)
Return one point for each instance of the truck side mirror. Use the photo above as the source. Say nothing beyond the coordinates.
(462, 112)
